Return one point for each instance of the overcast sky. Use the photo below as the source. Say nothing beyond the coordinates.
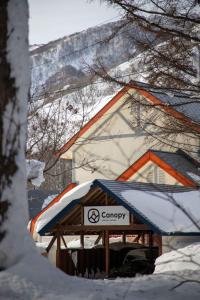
(52, 19)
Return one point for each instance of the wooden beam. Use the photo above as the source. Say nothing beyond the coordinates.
(107, 253)
(137, 238)
(95, 192)
(51, 243)
(134, 227)
(71, 213)
(98, 239)
(62, 237)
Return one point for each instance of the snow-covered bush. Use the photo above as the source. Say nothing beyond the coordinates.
(34, 169)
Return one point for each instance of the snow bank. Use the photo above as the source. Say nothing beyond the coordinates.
(76, 193)
(187, 258)
(33, 277)
(34, 169)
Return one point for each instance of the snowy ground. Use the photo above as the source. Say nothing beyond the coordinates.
(33, 277)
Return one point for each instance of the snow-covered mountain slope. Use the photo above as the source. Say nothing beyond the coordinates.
(64, 61)
(64, 97)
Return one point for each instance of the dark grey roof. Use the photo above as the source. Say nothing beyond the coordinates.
(36, 199)
(182, 163)
(181, 101)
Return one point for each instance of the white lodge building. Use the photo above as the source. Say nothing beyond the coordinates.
(137, 119)
(143, 135)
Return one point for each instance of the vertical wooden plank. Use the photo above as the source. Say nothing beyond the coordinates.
(106, 199)
(107, 253)
(131, 219)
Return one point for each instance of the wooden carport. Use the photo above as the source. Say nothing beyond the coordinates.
(72, 223)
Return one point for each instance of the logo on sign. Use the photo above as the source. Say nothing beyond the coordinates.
(93, 215)
(106, 215)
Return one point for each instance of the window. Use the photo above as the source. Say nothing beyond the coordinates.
(155, 174)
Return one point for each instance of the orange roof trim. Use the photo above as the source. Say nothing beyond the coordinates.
(151, 156)
(177, 115)
(56, 199)
(114, 100)
(92, 121)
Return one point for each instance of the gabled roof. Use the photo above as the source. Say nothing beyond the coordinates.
(93, 120)
(55, 200)
(178, 104)
(185, 103)
(179, 165)
(161, 207)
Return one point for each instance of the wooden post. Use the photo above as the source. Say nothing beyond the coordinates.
(82, 240)
(151, 244)
(58, 251)
(124, 238)
(143, 241)
(103, 238)
(107, 253)
(82, 224)
(106, 245)
(158, 241)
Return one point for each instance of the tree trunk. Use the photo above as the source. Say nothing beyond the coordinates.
(14, 87)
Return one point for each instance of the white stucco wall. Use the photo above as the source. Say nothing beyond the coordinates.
(159, 175)
(114, 142)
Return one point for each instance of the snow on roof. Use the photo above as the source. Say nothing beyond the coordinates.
(181, 162)
(167, 210)
(187, 104)
(53, 211)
